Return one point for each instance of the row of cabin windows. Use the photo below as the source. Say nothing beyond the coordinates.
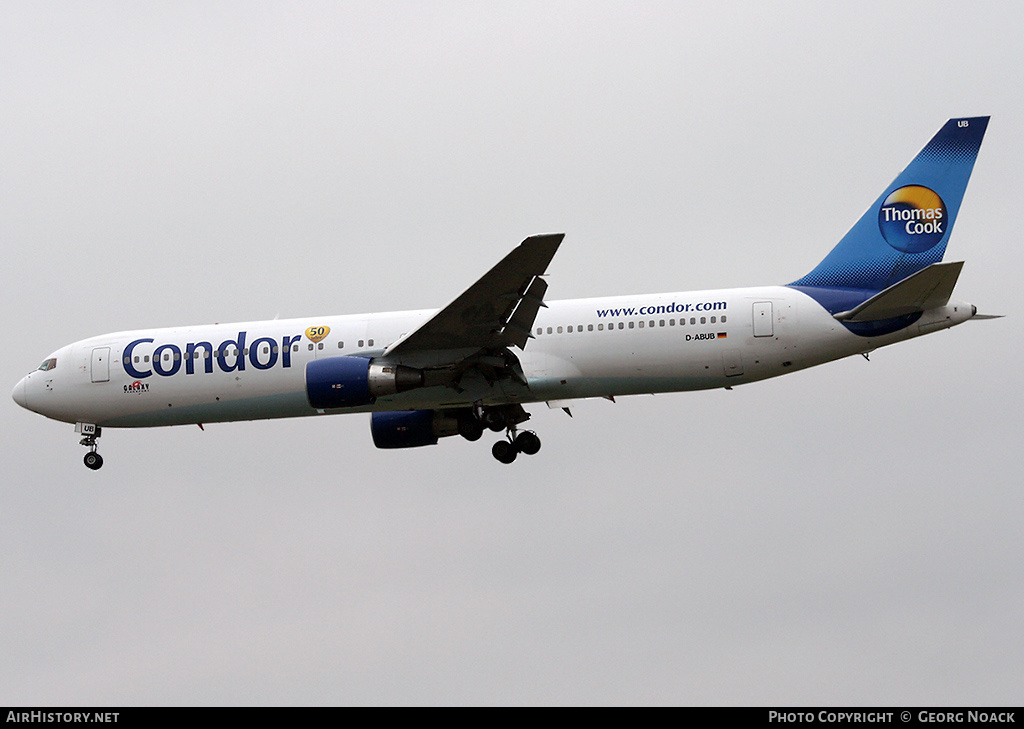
(206, 353)
(203, 354)
(341, 345)
(631, 325)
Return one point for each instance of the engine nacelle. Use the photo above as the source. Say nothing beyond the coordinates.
(410, 428)
(347, 382)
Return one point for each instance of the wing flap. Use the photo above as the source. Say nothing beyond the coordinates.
(517, 330)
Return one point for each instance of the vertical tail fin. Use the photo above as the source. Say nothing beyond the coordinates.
(908, 226)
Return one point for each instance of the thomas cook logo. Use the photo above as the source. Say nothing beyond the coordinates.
(913, 219)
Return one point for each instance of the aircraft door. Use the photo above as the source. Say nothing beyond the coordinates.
(101, 364)
(763, 325)
(732, 363)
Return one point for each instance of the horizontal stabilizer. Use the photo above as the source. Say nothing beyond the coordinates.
(927, 289)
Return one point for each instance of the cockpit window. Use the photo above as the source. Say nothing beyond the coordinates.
(48, 364)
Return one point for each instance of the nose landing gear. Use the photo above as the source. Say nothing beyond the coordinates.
(92, 460)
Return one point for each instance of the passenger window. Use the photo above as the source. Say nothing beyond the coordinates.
(341, 345)
(703, 320)
(693, 320)
(600, 327)
(540, 330)
(723, 318)
(641, 325)
(713, 320)
(549, 330)
(569, 330)
(370, 342)
(631, 324)
(590, 327)
(559, 330)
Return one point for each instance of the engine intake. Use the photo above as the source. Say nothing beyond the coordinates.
(346, 382)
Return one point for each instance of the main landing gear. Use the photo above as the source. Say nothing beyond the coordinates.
(505, 418)
(92, 460)
(525, 442)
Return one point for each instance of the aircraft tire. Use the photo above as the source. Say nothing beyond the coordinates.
(504, 451)
(528, 443)
(93, 460)
(471, 429)
(494, 421)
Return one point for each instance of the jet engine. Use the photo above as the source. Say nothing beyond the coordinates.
(346, 382)
(411, 428)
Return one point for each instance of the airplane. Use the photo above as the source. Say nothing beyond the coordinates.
(473, 365)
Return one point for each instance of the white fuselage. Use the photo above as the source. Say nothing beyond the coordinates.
(581, 348)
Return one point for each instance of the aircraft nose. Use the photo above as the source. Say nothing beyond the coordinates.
(20, 395)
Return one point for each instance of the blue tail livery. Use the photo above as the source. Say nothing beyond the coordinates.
(908, 226)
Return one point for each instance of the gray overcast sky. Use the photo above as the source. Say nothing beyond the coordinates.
(846, 535)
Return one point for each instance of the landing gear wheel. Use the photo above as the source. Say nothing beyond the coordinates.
(527, 443)
(494, 421)
(504, 451)
(470, 428)
(93, 460)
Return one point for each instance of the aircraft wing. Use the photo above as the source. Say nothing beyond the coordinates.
(497, 311)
